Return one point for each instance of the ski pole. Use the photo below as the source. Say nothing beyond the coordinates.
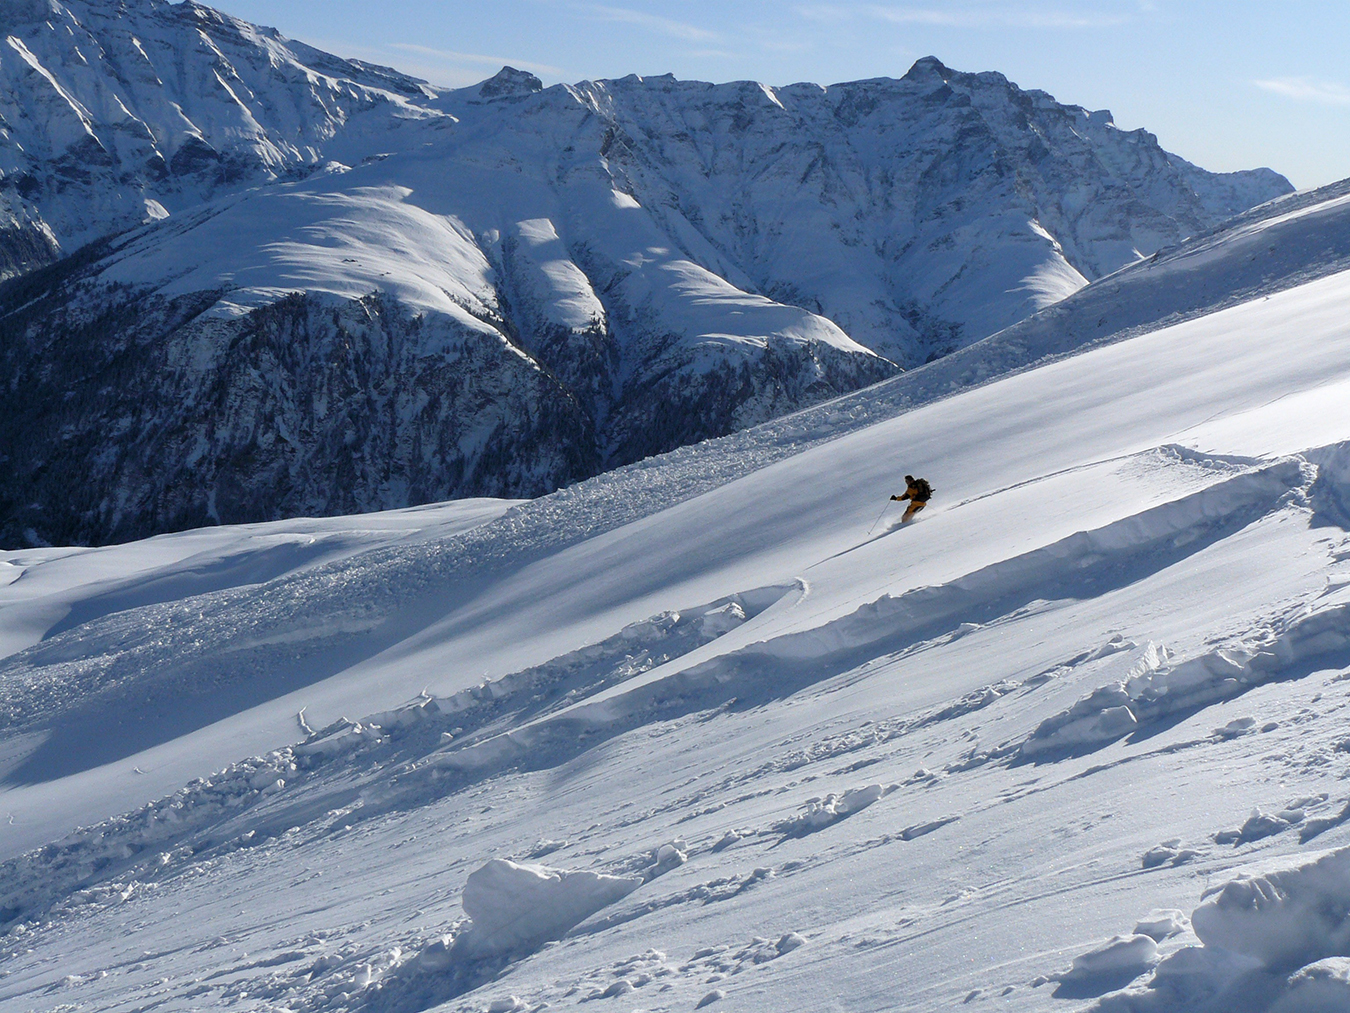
(879, 516)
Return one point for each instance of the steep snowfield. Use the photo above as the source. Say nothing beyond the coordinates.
(1279, 245)
(708, 731)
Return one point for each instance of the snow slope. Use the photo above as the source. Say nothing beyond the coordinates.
(707, 731)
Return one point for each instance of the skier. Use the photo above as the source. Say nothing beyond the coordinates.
(918, 492)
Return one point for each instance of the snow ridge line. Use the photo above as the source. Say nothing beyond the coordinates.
(1084, 564)
(1157, 689)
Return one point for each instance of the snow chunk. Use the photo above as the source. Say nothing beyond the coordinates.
(1160, 925)
(822, 812)
(1118, 955)
(1259, 825)
(1276, 941)
(1164, 852)
(437, 955)
(518, 907)
(670, 856)
(344, 739)
(1285, 918)
(1157, 688)
(727, 840)
(1321, 987)
(1102, 716)
(1234, 728)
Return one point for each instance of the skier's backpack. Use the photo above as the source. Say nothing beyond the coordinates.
(925, 491)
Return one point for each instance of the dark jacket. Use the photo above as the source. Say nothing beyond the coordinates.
(918, 491)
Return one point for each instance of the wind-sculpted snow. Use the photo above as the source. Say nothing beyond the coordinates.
(1159, 687)
(1275, 939)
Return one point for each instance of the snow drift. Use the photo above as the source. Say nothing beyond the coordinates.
(516, 908)
(1277, 940)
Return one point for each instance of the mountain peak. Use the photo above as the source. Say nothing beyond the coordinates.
(509, 81)
(928, 67)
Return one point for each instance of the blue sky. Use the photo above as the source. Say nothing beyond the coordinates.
(1229, 85)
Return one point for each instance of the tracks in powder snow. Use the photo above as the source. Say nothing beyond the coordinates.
(546, 716)
(1084, 565)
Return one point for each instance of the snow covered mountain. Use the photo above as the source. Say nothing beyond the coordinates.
(919, 214)
(707, 732)
(391, 376)
(116, 113)
(498, 290)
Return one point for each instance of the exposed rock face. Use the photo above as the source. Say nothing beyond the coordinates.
(509, 81)
(25, 241)
(308, 405)
(334, 288)
(129, 411)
